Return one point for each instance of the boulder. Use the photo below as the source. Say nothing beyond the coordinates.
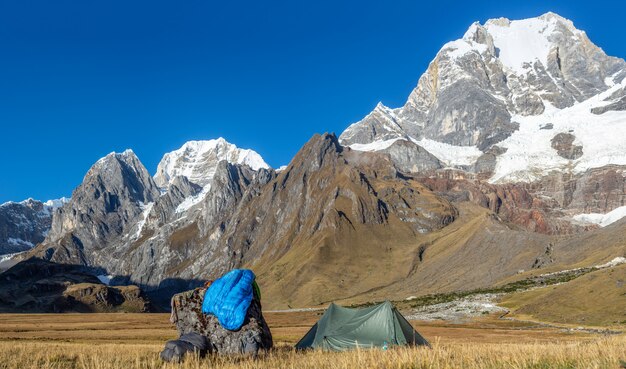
(175, 350)
(252, 337)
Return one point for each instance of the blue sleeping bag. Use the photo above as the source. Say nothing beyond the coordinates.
(229, 298)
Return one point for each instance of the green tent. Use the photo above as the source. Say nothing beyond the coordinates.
(342, 329)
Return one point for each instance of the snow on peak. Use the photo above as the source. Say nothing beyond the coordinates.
(124, 156)
(197, 160)
(57, 203)
(518, 43)
(48, 205)
(521, 43)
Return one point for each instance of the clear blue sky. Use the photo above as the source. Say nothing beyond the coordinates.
(79, 79)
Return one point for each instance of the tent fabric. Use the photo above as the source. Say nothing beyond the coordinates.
(229, 297)
(342, 329)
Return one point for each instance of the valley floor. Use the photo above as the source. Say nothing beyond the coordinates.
(134, 340)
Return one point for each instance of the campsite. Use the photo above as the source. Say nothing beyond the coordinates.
(328, 184)
(133, 341)
(376, 336)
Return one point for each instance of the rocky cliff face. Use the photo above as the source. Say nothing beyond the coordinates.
(113, 195)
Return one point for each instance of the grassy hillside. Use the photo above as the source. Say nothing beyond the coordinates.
(596, 298)
(358, 264)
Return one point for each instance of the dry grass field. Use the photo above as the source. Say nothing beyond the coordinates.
(128, 341)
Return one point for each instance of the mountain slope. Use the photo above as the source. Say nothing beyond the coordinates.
(336, 224)
(597, 298)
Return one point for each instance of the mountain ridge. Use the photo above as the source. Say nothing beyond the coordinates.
(409, 199)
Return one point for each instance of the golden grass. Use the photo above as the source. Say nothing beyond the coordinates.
(599, 353)
(133, 341)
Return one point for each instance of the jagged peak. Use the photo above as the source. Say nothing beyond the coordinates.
(319, 146)
(125, 156)
(116, 164)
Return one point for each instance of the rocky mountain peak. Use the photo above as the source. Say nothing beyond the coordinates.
(113, 193)
(197, 160)
(319, 149)
(120, 175)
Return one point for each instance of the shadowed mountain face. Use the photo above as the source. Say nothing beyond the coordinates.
(38, 286)
(23, 225)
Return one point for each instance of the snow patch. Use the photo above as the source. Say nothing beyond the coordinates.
(57, 203)
(602, 220)
(530, 155)
(19, 242)
(451, 155)
(615, 262)
(8, 257)
(105, 279)
(144, 217)
(374, 146)
(458, 48)
(522, 42)
(193, 200)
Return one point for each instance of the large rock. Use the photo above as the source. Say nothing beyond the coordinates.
(563, 143)
(252, 337)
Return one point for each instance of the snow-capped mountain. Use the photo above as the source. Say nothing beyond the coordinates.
(26, 223)
(525, 101)
(517, 85)
(197, 161)
(120, 219)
